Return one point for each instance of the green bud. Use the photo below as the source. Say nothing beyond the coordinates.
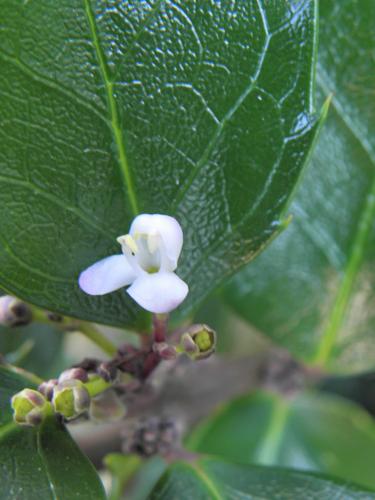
(199, 342)
(29, 407)
(70, 399)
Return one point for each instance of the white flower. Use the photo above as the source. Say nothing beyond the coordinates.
(150, 254)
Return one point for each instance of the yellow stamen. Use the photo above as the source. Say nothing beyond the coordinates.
(128, 241)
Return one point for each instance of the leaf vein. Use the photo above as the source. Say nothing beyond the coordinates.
(221, 125)
(45, 466)
(206, 480)
(113, 111)
(57, 201)
(53, 84)
(355, 258)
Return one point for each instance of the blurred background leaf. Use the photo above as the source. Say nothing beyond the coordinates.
(217, 479)
(313, 432)
(36, 347)
(312, 290)
(173, 107)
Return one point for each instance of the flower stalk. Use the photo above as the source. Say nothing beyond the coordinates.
(66, 324)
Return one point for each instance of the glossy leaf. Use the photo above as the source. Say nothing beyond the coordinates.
(313, 432)
(214, 479)
(110, 109)
(312, 291)
(41, 462)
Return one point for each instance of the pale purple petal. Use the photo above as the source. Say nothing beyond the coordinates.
(167, 227)
(107, 275)
(159, 292)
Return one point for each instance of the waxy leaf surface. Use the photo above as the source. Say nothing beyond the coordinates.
(312, 290)
(201, 110)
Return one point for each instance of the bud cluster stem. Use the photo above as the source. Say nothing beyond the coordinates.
(69, 324)
(96, 386)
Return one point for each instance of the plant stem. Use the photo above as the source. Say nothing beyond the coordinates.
(35, 379)
(160, 322)
(69, 324)
(96, 386)
(97, 337)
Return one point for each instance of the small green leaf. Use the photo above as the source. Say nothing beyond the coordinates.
(200, 110)
(40, 462)
(313, 432)
(215, 479)
(312, 291)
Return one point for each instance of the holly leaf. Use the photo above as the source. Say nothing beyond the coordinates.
(40, 462)
(220, 480)
(312, 291)
(315, 433)
(200, 110)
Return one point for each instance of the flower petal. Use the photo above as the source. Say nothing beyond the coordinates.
(169, 230)
(107, 275)
(158, 293)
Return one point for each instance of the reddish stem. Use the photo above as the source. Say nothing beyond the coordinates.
(160, 322)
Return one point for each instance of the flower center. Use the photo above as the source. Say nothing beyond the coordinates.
(142, 250)
(152, 270)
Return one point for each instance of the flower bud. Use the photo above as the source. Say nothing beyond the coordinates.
(70, 399)
(46, 388)
(152, 436)
(107, 370)
(14, 312)
(29, 407)
(73, 374)
(165, 351)
(199, 342)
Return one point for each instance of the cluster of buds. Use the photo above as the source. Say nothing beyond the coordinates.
(68, 395)
(152, 436)
(198, 342)
(75, 393)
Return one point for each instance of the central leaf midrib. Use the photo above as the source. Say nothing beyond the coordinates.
(355, 258)
(206, 480)
(40, 452)
(112, 109)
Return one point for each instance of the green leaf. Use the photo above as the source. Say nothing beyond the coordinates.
(110, 109)
(35, 347)
(312, 432)
(133, 478)
(312, 291)
(214, 479)
(41, 462)
(122, 469)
